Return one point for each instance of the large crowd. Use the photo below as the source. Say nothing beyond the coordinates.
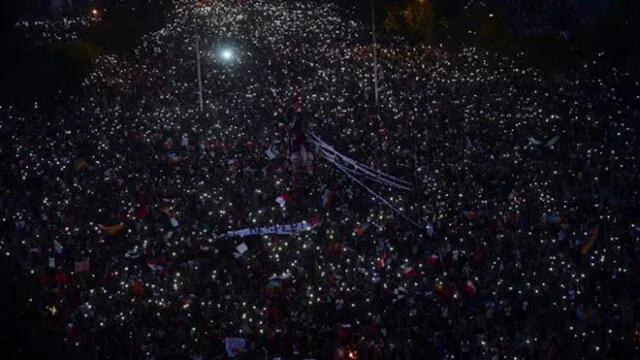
(519, 238)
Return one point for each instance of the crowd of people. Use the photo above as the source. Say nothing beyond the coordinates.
(518, 238)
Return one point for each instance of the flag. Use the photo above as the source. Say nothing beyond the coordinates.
(133, 253)
(270, 153)
(533, 140)
(381, 262)
(408, 271)
(80, 165)
(430, 229)
(441, 289)
(82, 266)
(141, 212)
(173, 158)
(361, 230)
(593, 236)
(165, 206)
(168, 143)
(240, 250)
(233, 163)
(313, 220)
(273, 285)
(70, 219)
(156, 264)
(112, 229)
(137, 287)
(470, 288)
(234, 346)
(60, 278)
(282, 200)
(155, 267)
(287, 229)
(57, 246)
(399, 293)
(471, 214)
(327, 196)
(433, 259)
(553, 140)
(582, 314)
(554, 219)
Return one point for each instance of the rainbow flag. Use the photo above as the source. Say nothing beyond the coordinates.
(361, 230)
(582, 314)
(327, 196)
(555, 219)
(471, 214)
(173, 158)
(80, 165)
(272, 285)
(112, 229)
(593, 236)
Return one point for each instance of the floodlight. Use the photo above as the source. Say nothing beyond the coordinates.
(226, 54)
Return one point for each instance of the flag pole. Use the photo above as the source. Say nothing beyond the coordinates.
(199, 72)
(375, 52)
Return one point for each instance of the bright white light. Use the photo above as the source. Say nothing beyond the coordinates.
(226, 55)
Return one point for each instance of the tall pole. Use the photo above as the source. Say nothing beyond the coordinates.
(195, 17)
(375, 52)
(199, 72)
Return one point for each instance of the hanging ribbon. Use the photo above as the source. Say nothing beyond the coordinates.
(383, 200)
(360, 169)
(374, 172)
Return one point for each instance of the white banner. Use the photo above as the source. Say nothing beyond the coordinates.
(287, 229)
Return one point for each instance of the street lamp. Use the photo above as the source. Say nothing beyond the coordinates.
(95, 14)
(226, 54)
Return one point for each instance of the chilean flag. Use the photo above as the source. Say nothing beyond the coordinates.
(408, 271)
(441, 289)
(141, 212)
(433, 259)
(381, 262)
(282, 200)
(470, 288)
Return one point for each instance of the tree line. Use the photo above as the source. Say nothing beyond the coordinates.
(610, 35)
(47, 71)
